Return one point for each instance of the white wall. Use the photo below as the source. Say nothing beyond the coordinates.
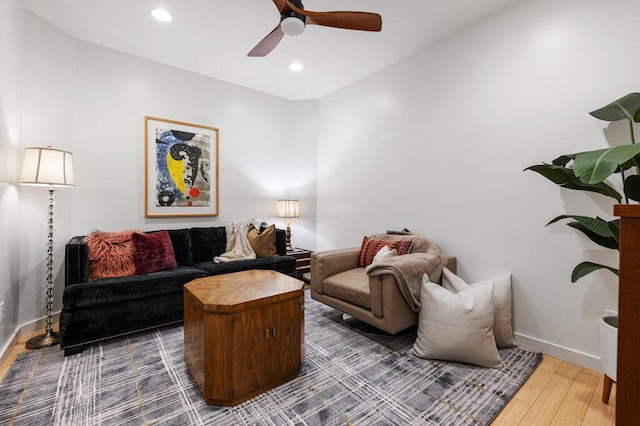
(264, 149)
(438, 143)
(47, 119)
(92, 101)
(11, 46)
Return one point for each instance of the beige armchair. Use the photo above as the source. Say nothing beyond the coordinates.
(376, 299)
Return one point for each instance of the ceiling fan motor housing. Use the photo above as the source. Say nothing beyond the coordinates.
(292, 23)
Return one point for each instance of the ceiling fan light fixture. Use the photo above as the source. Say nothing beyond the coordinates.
(161, 15)
(292, 26)
(296, 66)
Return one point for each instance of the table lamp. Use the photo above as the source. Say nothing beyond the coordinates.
(288, 209)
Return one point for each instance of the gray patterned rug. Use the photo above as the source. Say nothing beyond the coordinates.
(349, 376)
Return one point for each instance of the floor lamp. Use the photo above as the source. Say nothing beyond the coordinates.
(288, 209)
(51, 168)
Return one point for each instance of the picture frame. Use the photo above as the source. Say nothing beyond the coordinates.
(181, 168)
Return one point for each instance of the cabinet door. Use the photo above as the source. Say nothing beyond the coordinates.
(286, 339)
(250, 351)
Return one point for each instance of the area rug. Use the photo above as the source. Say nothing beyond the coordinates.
(348, 377)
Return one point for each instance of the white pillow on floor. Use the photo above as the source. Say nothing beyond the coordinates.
(457, 327)
(502, 328)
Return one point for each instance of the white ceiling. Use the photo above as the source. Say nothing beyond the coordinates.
(213, 37)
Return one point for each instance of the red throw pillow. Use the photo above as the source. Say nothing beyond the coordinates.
(403, 247)
(370, 246)
(153, 252)
(110, 254)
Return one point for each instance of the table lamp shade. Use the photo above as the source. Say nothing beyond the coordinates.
(47, 166)
(288, 208)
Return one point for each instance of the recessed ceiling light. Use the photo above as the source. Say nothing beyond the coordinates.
(161, 15)
(296, 66)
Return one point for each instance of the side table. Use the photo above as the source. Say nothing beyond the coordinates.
(303, 262)
(243, 333)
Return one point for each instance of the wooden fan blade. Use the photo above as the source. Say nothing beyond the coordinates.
(363, 21)
(282, 6)
(268, 43)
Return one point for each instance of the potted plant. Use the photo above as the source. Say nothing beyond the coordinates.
(588, 171)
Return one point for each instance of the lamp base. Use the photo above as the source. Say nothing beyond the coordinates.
(288, 237)
(43, 341)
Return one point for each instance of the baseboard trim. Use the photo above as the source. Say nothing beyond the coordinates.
(23, 331)
(557, 351)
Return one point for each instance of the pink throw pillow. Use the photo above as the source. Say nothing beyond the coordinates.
(110, 254)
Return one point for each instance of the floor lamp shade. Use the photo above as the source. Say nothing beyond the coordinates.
(52, 168)
(288, 209)
(47, 166)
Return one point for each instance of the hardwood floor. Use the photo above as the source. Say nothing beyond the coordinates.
(557, 393)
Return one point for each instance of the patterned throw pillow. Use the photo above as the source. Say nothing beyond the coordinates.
(110, 254)
(153, 252)
(371, 246)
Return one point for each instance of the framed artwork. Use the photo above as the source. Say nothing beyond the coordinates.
(181, 169)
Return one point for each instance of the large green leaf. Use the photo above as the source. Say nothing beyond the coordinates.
(566, 178)
(563, 160)
(594, 224)
(595, 166)
(626, 107)
(596, 229)
(585, 268)
(632, 187)
(614, 226)
(606, 242)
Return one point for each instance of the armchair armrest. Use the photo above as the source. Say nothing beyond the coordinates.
(327, 263)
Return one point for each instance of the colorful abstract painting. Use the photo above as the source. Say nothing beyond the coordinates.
(181, 169)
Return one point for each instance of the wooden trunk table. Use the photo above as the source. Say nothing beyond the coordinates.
(243, 333)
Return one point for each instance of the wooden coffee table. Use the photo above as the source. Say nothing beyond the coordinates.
(243, 333)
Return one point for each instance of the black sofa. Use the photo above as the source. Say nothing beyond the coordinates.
(105, 308)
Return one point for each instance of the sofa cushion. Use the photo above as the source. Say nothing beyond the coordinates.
(120, 289)
(283, 264)
(181, 240)
(153, 252)
(371, 246)
(111, 254)
(457, 326)
(207, 243)
(351, 286)
(263, 242)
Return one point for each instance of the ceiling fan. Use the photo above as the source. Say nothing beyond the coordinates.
(294, 18)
